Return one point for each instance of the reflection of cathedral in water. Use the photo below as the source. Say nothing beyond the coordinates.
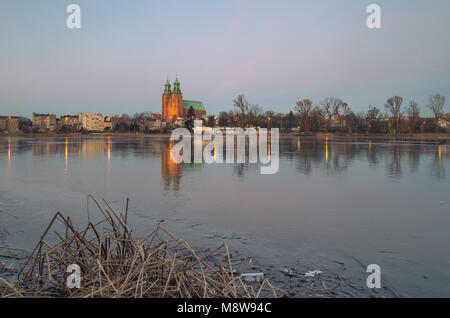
(171, 172)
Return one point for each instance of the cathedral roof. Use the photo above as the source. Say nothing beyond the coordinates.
(196, 105)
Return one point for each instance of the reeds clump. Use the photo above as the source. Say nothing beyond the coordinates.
(114, 263)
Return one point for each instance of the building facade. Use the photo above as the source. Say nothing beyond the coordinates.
(71, 122)
(44, 122)
(95, 122)
(9, 123)
(174, 107)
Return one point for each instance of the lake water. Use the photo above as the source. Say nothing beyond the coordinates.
(384, 202)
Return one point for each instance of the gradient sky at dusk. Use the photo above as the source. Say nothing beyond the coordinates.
(275, 52)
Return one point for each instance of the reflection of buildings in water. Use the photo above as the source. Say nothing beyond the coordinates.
(85, 148)
(94, 148)
(437, 167)
(66, 161)
(372, 156)
(9, 153)
(109, 149)
(108, 174)
(45, 148)
(9, 148)
(171, 172)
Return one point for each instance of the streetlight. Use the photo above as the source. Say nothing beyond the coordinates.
(268, 122)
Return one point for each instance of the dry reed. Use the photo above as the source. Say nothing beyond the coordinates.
(113, 264)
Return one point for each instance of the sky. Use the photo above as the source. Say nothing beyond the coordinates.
(273, 51)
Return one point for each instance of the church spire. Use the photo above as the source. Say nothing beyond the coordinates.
(167, 90)
(176, 86)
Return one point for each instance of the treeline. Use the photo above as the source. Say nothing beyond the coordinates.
(335, 115)
(126, 123)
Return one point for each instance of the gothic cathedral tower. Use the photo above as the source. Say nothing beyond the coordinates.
(172, 102)
(166, 101)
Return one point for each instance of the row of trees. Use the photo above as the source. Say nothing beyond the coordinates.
(125, 123)
(333, 112)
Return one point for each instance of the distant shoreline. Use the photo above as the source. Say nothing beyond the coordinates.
(441, 137)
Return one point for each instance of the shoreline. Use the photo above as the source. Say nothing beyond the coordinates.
(439, 137)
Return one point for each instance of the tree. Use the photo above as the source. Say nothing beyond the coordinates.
(304, 108)
(252, 116)
(316, 117)
(345, 108)
(394, 105)
(291, 121)
(189, 122)
(373, 112)
(25, 124)
(211, 121)
(373, 119)
(331, 106)
(223, 119)
(243, 107)
(355, 123)
(413, 114)
(436, 103)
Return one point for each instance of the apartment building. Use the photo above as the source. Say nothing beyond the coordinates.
(9, 123)
(94, 122)
(44, 122)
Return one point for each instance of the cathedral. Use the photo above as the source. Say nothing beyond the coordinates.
(173, 106)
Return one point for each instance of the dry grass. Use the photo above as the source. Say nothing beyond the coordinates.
(115, 264)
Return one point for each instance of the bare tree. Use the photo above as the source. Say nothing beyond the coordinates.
(330, 107)
(373, 119)
(304, 108)
(394, 105)
(253, 112)
(223, 119)
(373, 113)
(345, 108)
(413, 109)
(243, 107)
(413, 114)
(436, 103)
